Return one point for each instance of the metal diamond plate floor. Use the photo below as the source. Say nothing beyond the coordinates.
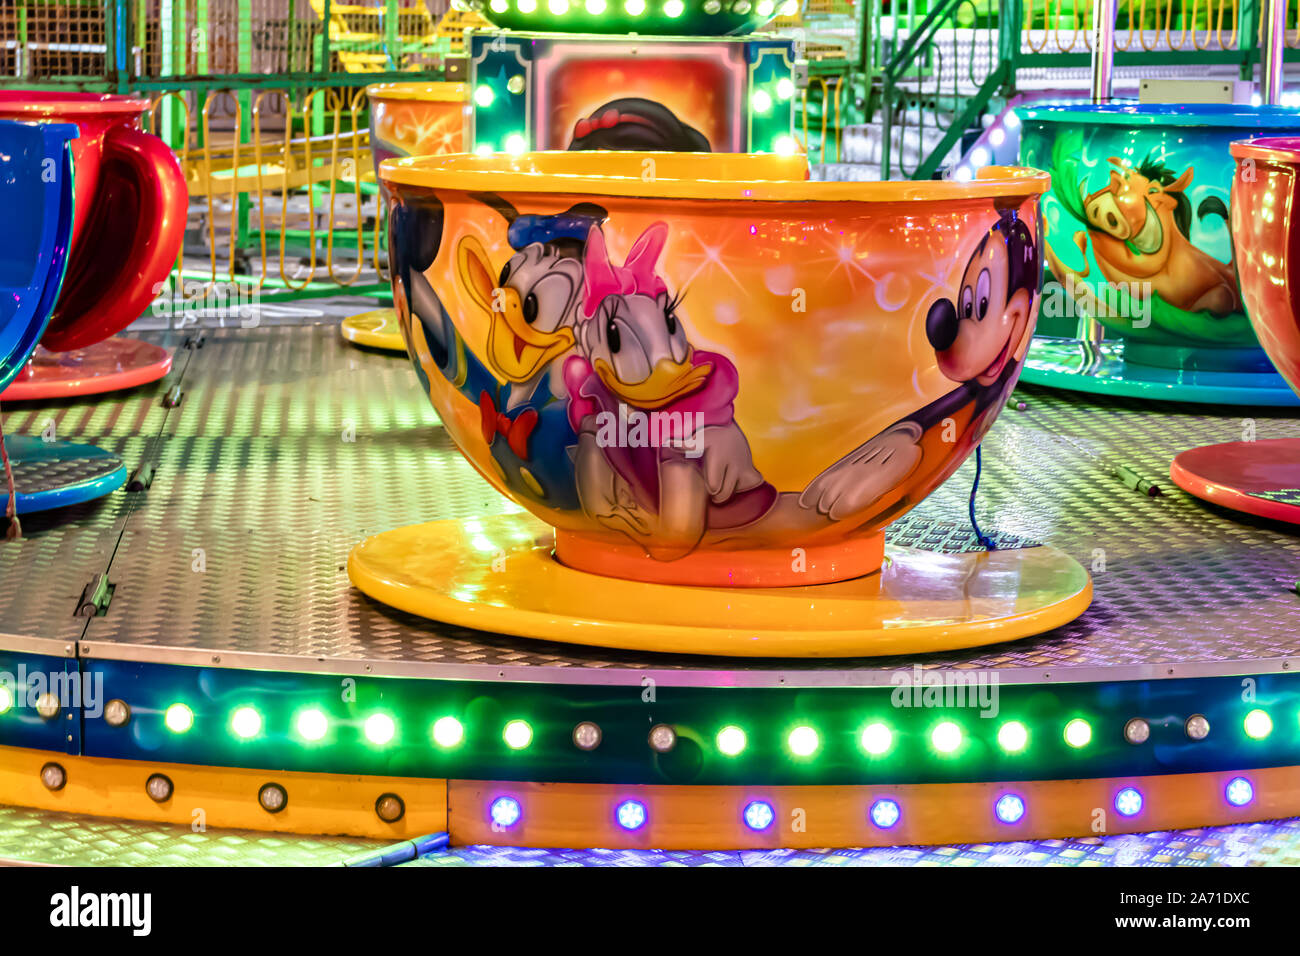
(65, 839)
(289, 445)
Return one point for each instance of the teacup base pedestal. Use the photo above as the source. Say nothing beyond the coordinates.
(376, 330)
(1257, 477)
(108, 366)
(500, 574)
(58, 473)
(1103, 369)
(751, 568)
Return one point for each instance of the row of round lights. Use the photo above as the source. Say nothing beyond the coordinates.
(884, 813)
(803, 741)
(635, 8)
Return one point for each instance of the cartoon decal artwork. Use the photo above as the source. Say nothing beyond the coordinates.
(1140, 226)
(531, 305)
(580, 345)
(633, 122)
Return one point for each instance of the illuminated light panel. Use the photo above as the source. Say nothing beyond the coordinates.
(246, 722)
(946, 738)
(630, 815)
(877, 739)
(1078, 733)
(505, 812)
(731, 740)
(1129, 802)
(759, 815)
(885, 813)
(312, 725)
(1258, 724)
(379, 729)
(803, 741)
(1009, 808)
(785, 146)
(1013, 737)
(1239, 791)
(518, 734)
(178, 718)
(483, 96)
(448, 732)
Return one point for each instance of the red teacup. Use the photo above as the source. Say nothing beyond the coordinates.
(130, 211)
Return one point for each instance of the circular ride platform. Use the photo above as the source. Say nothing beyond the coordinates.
(500, 573)
(231, 636)
(376, 330)
(1074, 365)
(108, 366)
(1258, 477)
(55, 474)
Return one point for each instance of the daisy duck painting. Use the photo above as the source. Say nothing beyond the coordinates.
(661, 458)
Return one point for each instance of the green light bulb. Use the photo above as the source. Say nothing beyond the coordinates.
(246, 723)
(178, 718)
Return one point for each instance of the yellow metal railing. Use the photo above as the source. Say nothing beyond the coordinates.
(1065, 26)
(265, 153)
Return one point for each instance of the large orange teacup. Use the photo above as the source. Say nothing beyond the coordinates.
(705, 369)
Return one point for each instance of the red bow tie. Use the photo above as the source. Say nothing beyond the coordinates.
(517, 431)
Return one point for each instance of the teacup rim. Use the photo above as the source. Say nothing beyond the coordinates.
(783, 179)
(427, 91)
(1277, 149)
(44, 102)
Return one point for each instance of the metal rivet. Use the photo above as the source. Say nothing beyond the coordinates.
(272, 797)
(159, 787)
(1137, 731)
(390, 808)
(586, 736)
(53, 776)
(1197, 727)
(662, 738)
(117, 713)
(47, 705)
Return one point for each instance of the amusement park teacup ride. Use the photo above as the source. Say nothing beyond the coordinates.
(1145, 300)
(129, 222)
(1260, 477)
(36, 190)
(679, 378)
(407, 119)
(705, 386)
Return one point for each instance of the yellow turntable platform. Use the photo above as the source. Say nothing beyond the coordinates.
(376, 330)
(499, 574)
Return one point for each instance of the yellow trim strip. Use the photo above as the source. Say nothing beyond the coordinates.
(743, 176)
(710, 818)
(224, 796)
(425, 92)
(678, 817)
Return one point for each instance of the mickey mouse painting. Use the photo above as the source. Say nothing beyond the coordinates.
(975, 337)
